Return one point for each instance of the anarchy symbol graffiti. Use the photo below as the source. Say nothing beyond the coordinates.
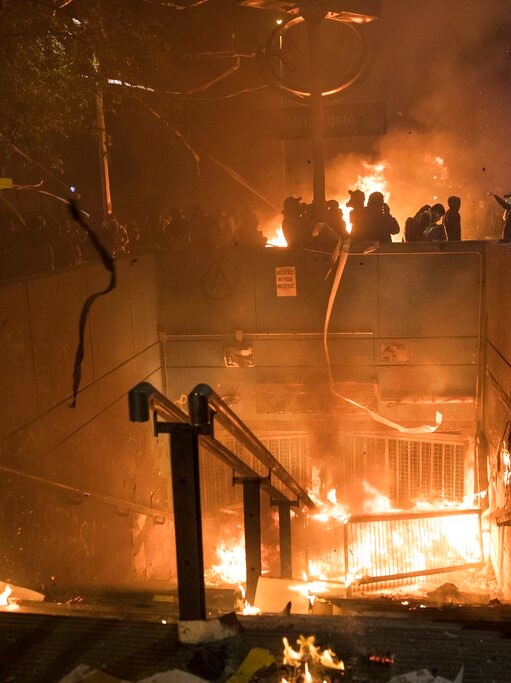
(218, 283)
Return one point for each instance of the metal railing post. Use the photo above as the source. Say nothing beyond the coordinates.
(184, 431)
(286, 562)
(252, 519)
(184, 456)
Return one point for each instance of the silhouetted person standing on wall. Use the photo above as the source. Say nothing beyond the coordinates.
(435, 231)
(415, 225)
(292, 222)
(505, 203)
(452, 219)
(326, 234)
(247, 233)
(380, 224)
(358, 215)
(335, 219)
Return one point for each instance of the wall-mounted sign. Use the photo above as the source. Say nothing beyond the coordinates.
(285, 277)
(339, 120)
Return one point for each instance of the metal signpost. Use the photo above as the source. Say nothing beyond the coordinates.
(314, 12)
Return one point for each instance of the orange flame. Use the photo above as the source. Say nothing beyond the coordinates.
(375, 501)
(329, 509)
(438, 542)
(231, 566)
(276, 238)
(4, 596)
(247, 609)
(308, 656)
(373, 180)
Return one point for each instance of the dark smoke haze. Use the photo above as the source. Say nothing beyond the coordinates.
(448, 70)
(443, 69)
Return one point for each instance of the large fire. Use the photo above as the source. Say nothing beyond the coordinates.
(375, 543)
(381, 177)
(384, 543)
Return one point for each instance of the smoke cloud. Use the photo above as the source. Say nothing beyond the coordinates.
(443, 69)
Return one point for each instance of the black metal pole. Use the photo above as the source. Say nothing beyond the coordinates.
(252, 518)
(184, 450)
(314, 19)
(286, 566)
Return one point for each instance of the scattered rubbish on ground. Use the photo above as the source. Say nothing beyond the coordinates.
(172, 676)
(87, 674)
(386, 659)
(10, 593)
(208, 661)
(257, 661)
(272, 594)
(220, 628)
(424, 676)
(446, 594)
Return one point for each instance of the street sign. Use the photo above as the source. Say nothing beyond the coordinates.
(340, 120)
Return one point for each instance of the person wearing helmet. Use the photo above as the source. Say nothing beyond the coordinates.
(357, 214)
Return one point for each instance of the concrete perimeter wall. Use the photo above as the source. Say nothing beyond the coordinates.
(84, 492)
(403, 337)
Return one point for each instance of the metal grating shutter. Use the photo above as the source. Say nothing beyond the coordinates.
(422, 470)
(292, 451)
(217, 490)
(406, 470)
(360, 457)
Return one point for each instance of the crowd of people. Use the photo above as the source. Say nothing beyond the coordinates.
(373, 221)
(47, 242)
(38, 242)
(369, 222)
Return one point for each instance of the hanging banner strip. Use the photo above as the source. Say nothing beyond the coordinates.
(424, 429)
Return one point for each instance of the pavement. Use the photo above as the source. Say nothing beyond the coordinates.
(131, 637)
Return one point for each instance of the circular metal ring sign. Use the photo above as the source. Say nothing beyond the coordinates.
(281, 56)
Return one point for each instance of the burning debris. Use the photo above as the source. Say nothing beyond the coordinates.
(309, 663)
(11, 595)
(446, 594)
(386, 659)
(229, 567)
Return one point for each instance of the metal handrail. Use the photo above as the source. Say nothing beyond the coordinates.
(232, 423)
(144, 397)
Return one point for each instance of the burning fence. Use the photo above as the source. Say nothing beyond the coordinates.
(364, 550)
(375, 548)
(364, 539)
